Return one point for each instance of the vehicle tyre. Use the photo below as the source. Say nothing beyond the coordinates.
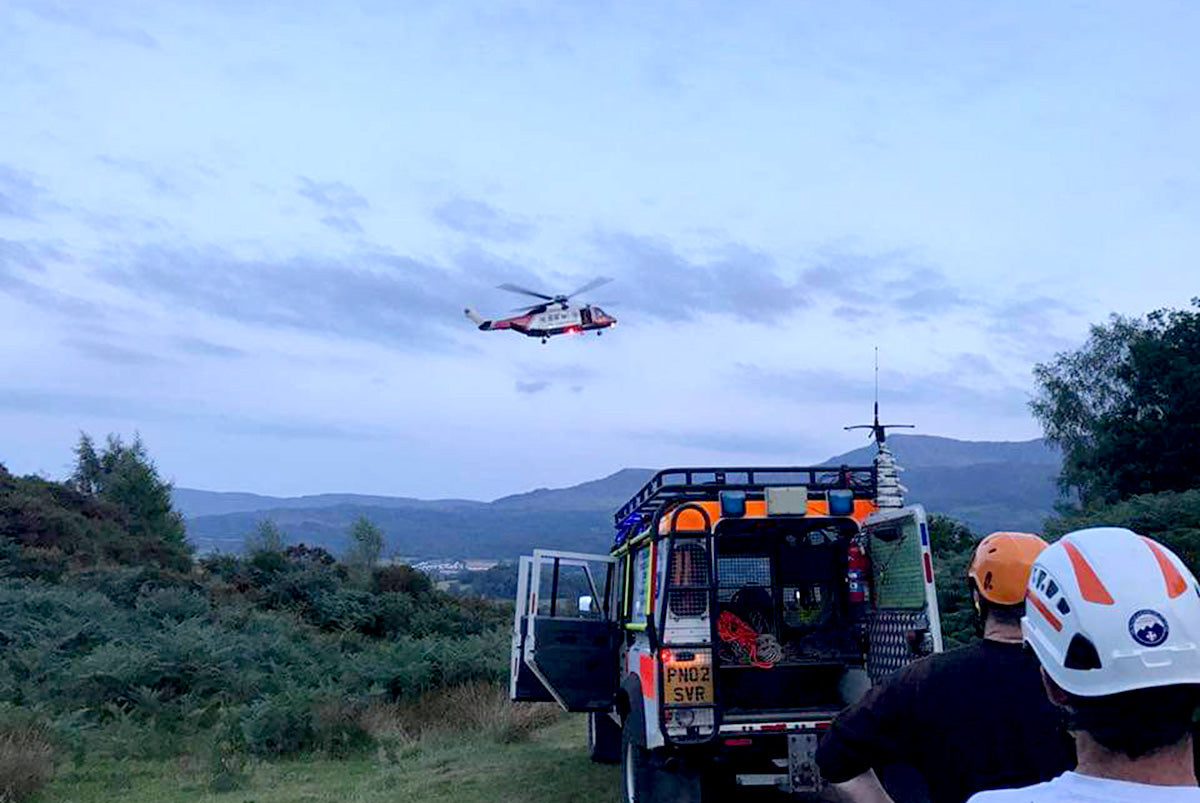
(638, 769)
(604, 738)
(682, 782)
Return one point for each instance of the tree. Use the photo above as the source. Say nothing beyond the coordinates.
(367, 543)
(125, 476)
(1125, 407)
(1172, 518)
(267, 537)
(953, 544)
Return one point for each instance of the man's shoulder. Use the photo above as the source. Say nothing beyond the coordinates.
(950, 661)
(1038, 793)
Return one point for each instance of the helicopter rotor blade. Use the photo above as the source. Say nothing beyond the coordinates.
(592, 285)
(512, 288)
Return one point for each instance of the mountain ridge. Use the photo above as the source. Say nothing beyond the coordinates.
(987, 484)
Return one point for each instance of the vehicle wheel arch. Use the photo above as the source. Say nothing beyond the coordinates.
(630, 705)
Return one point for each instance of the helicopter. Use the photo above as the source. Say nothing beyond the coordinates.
(553, 315)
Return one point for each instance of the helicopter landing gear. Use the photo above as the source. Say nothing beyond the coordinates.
(544, 339)
(598, 334)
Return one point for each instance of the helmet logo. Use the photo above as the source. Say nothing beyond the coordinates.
(1148, 628)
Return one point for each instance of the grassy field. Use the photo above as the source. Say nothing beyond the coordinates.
(551, 767)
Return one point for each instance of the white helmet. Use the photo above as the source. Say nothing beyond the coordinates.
(1112, 611)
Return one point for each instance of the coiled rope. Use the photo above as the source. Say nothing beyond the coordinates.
(763, 649)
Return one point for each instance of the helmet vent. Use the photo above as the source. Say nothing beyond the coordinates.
(1082, 654)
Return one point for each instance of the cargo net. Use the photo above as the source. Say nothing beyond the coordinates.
(888, 640)
(740, 572)
(689, 579)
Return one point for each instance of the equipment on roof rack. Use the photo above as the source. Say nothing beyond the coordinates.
(683, 484)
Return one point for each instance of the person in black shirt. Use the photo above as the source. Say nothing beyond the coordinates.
(966, 720)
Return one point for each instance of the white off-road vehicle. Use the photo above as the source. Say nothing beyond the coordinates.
(739, 610)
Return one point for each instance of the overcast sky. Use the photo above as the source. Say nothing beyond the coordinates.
(247, 230)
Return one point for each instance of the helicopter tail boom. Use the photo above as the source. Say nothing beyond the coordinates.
(477, 319)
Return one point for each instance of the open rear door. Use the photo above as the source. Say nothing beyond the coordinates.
(565, 631)
(522, 683)
(905, 624)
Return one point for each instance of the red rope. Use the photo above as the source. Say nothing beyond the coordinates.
(730, 627)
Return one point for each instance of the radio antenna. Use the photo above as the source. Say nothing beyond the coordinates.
(878, 430)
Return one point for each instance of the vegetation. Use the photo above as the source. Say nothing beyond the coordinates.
(466, 767)
(1124, 407)
(1126, 411)
(1172, 518)
(128, 667)
(953, 544)
(116, 642)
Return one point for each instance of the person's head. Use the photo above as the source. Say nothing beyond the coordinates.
(1114, 619)
(999, 573)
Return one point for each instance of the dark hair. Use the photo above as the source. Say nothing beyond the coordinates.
(1137, 722)
(1005, 614)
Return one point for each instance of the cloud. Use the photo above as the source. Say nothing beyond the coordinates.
(735, 280)
(153, 176)
(730, 441)
(532, 387)
(20, 195)
(19, 261)
(894, 280)
(74, 405)
(205, 348)
(341, 201)
(375, 296)
(16, 256)
(343, 223)
(96, 20)
(576, 371)
(1026, 325)
(479, 219)
(969, 382)
(110, 352)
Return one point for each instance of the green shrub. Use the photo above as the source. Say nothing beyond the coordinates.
(1170, 517)
(175, 604)
(277, 724)
(338, 727)
(401, 578)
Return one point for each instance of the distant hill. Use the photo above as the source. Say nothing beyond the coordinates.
(988, 485)
(605, 494)
(192, 503)
(929, 451)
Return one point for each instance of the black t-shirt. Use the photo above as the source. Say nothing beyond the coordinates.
(969, 719)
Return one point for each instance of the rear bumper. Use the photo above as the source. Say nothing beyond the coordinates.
(775, 723)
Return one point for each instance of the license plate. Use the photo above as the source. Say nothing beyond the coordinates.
(689, 682)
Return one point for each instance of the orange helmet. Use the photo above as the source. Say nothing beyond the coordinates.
(1000, 566)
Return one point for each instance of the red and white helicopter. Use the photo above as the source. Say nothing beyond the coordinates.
(553, 315)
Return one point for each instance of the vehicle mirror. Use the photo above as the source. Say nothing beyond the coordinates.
(585, 604)
(887, 534)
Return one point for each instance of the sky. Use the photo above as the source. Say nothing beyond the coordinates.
(247, 230)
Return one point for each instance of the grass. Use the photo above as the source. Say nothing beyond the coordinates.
(550, 766)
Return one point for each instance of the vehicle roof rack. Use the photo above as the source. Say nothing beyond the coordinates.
(673, 484)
